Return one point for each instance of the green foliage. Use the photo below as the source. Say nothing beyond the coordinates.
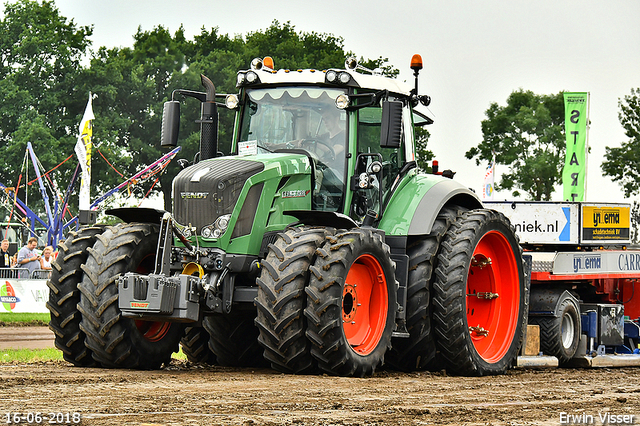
(46, 89)
(40, 54)
(423, 155)
(623, 163)
(527, 135)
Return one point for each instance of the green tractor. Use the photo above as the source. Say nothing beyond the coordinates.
(317, 246)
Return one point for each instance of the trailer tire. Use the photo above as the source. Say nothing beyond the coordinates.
(195, 345)
(233, 338)
(351, 303)
(281, 299)
(64, 295)
(418, 352)
(560, 336)
(117, 341)
(480, 295)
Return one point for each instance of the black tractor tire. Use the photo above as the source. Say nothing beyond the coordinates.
(116, 341)
(233, 338)
(480, 299)
(351, 303)
(195, 345)
(560, 336)
(418, 352)
(64, 295)
(281, 299)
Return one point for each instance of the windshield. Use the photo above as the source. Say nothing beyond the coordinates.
(300, 118)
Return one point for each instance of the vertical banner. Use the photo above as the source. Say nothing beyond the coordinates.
(83, 151)
(489, 181)
(575, 166)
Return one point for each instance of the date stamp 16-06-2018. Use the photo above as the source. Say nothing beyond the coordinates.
(37, 418)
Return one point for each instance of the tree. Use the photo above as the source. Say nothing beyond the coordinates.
(40, 62)
(423, 155)
(623, 163)
(527, 135)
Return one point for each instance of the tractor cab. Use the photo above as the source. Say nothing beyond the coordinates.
(303, 120)
(355, 128)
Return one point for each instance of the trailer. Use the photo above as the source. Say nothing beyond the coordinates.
(585, 296)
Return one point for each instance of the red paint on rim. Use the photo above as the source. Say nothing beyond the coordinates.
(365, 304)
(494, 270)
(153, 331)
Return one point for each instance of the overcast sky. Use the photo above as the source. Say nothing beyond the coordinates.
(474, 52)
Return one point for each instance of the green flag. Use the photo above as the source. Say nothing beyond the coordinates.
(575, 165)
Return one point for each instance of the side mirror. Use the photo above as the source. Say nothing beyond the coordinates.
(170, 124)
(391, 126)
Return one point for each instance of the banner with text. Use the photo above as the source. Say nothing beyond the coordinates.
(576, 120)
(83, 151)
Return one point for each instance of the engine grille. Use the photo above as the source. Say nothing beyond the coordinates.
(209, 189)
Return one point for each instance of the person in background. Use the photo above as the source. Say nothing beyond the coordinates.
(47, 258)
(28, 258)
(5, 258)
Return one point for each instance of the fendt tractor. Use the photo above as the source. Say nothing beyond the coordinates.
(316, 246)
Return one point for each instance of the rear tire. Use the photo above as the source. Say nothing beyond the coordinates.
(351, 301)
(64, 295)
(480, 295)
(281, 299)
(234, 339)
(117, 341)
(560, 336)
(418, 352)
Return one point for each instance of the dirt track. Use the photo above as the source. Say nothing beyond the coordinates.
(188, 395)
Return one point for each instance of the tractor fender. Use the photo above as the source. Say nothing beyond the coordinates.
(414, 206)
(545, 301)
(320, 218)
(137, 214)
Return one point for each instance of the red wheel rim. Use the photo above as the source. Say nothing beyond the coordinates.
(153, 331)
(493, 297)
(365, 304)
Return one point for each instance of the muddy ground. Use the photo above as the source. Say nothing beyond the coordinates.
(183, 394)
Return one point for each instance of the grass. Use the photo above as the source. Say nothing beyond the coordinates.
(11, 318)
(10, 356)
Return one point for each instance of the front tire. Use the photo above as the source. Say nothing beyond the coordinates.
(281, 299)
(64, 295)
(480, 295)
(195, 345)
(351, 300)
(117, 341)
(234, 339)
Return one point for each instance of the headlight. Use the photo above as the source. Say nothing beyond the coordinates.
(251, 77)
(231, 101)
(342, 101)
(217, 228)
(337, 77)
(207, 232)
(344, 77)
